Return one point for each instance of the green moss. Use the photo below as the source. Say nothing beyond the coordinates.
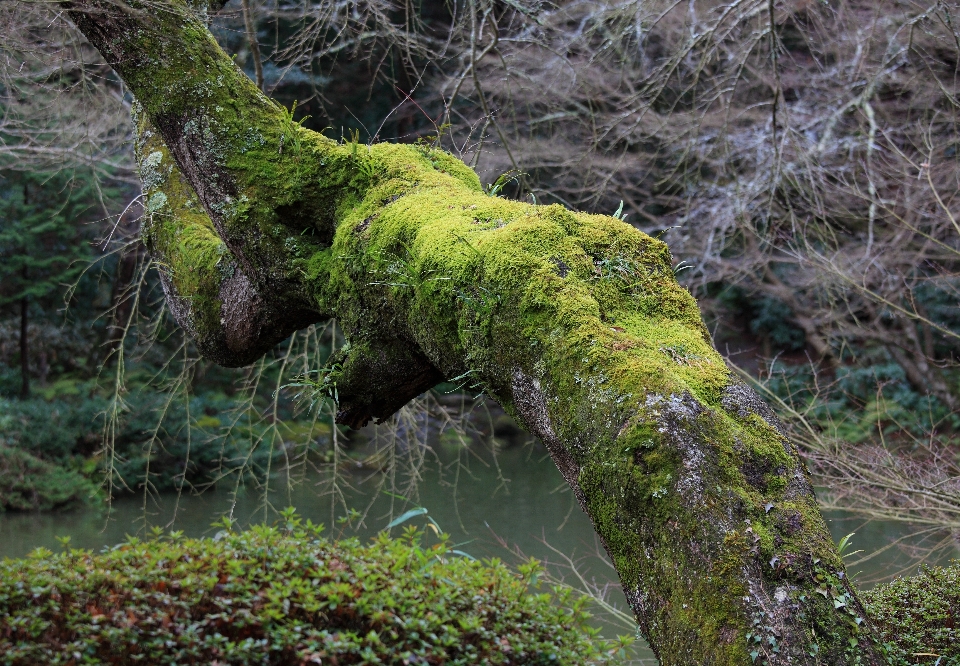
(590, 307)
(180, 235)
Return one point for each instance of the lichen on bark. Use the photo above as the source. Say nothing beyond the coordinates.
(574, 322)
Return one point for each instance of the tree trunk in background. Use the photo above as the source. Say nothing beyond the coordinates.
(24, 346)
(574, 323)
(252, 42)
(121, 301)
(24, 313)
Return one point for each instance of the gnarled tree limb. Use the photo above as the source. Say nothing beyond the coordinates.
(573, 322)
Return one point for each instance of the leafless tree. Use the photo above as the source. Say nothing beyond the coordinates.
(60, 105)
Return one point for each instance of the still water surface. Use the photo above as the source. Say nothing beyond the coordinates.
(519, 500)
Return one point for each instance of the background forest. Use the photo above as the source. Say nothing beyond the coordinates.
(799, 157)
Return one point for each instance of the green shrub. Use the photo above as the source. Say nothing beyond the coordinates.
(270, 596)
(30, 484)
(860, 403)
(773, 319)
(56, 429)
(919, 616)
(191, 444)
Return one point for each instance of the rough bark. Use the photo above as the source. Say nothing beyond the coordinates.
(573, 322)
(24, 346)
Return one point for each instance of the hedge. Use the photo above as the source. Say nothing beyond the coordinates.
(287, 595)
(28, 483)
(919, 616)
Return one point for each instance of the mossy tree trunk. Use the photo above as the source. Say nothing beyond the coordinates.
(573, 322)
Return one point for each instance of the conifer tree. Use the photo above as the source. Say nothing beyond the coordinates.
(42, 246)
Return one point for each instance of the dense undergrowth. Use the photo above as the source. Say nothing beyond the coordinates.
(151, 418)
(29, 483)
(286, 595)
(919, 617)
(170, 442)
(858, 403)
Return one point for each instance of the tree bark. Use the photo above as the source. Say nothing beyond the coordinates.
(121, 301)
(24, 345)
(24, 315)
(574, 323)
(252, 42)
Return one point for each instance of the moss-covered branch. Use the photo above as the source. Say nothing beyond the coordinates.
(209, 293)
(573, 322)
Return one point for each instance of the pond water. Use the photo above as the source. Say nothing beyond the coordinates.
(492, 505)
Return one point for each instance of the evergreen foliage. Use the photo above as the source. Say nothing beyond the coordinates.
(28, 483)
(173, 444)
(42, 244)
(919, 616)
(285, 595)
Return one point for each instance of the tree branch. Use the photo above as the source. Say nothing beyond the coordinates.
(575, 323)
